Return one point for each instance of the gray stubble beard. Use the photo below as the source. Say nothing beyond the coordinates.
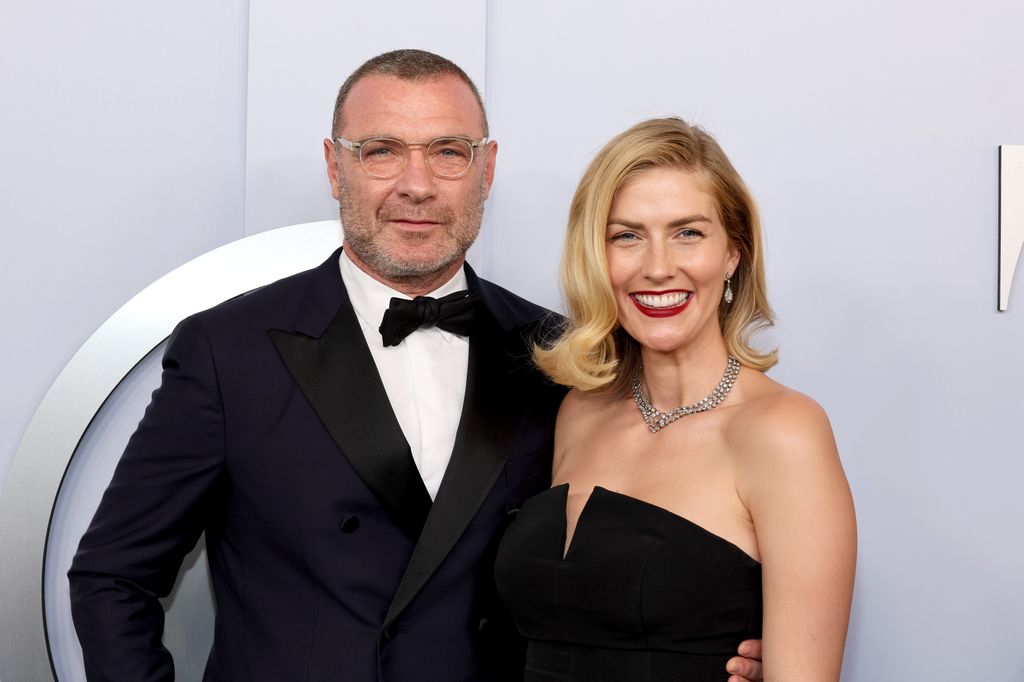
(462, 230)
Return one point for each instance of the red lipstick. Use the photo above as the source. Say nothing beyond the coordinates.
(660, 312)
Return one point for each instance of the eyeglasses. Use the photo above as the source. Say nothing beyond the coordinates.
(384, 157)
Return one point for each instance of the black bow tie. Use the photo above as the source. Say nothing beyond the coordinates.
(452, 313)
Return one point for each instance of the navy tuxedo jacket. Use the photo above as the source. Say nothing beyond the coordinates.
(272, 433)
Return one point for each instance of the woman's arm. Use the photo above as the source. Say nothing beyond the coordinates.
(794, 487)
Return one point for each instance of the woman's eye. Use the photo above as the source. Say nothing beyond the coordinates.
(623, 237)
(690, 233)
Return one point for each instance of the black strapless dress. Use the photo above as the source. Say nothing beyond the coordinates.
(642, 595)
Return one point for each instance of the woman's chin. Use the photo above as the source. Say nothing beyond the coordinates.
(661, 344)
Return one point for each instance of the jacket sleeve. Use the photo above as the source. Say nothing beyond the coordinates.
(158, 503)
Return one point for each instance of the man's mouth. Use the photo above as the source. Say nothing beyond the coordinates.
(661, 303)
(412, 221)
(414, 225)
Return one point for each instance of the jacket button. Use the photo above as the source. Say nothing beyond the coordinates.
(512, 513)
(390, 633)
(350, 524)
(482, 625)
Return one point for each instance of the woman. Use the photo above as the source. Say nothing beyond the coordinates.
(668, 528)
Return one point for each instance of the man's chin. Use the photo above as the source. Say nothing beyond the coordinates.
(402, 268)
(414, 270)
(408, 260)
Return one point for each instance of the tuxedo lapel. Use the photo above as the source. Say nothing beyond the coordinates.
(337, 374)
(492, 411)
(327, 355)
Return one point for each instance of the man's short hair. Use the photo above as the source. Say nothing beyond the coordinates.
(407, 65)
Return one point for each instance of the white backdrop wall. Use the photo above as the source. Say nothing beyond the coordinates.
(140, 137)
(123, 157)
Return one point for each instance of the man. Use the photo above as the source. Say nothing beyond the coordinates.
(352, 477)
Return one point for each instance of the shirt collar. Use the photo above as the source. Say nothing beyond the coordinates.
(370, 298)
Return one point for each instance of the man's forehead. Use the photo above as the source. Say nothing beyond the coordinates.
(378, 102)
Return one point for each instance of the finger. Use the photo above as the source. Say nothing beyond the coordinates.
(744, 669)
(750, 648)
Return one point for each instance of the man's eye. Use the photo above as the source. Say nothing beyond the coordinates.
(452, 152)
(381, 149)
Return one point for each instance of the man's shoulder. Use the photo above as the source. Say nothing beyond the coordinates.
(515, 312)
(276, 305)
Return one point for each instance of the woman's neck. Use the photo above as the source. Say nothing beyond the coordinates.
(683, 376)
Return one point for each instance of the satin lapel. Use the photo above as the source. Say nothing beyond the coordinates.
(491, 413)
(337, 375)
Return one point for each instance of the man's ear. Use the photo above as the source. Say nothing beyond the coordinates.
(332, 166)
(491, 154)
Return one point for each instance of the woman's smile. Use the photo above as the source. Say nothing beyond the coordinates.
(661, 303)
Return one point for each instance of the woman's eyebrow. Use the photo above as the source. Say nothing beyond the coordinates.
(678, 222)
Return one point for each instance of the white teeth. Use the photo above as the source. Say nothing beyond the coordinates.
(669, 300)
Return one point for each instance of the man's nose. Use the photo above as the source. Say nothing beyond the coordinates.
(416, 181)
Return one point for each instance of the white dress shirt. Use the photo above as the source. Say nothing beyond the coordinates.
(424, 375)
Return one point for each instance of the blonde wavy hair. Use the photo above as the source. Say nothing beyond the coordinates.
(593, 352)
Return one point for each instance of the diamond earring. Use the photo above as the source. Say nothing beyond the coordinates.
(728, 290)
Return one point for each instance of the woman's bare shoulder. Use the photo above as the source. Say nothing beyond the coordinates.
(790, 472)
(581, 407)
(778, 421)
(580, 416)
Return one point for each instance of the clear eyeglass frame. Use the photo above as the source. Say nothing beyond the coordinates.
(357, 147)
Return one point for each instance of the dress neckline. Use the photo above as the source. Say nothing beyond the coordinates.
(569, 543)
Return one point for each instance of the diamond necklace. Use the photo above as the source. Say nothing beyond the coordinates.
(656, 420)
